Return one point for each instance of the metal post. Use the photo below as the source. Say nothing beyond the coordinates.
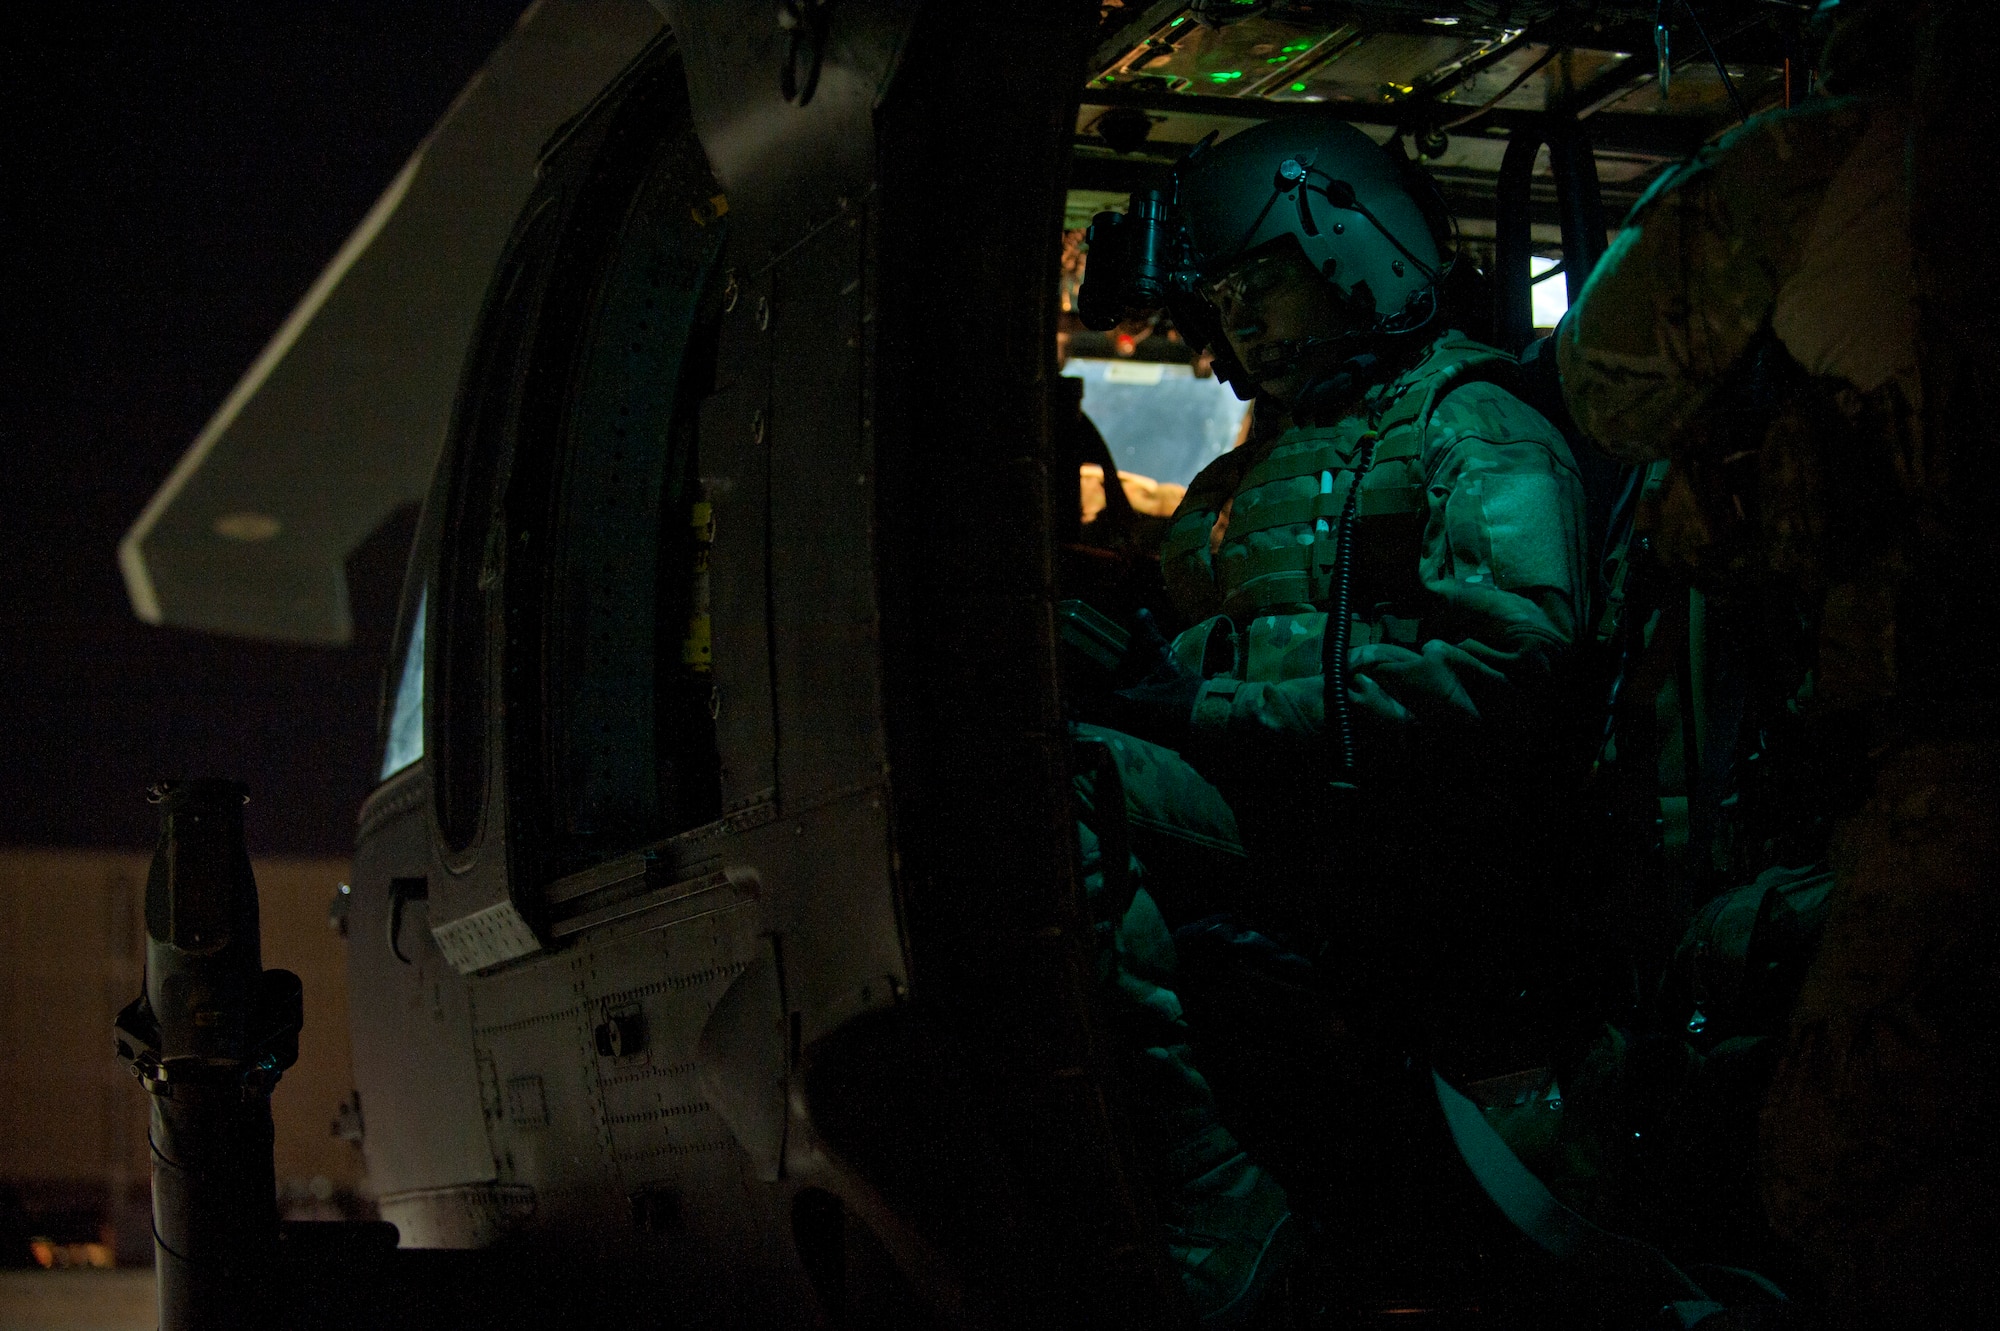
(1579, 204)
(1513, 242)
(1579, 208)
(209, 1037)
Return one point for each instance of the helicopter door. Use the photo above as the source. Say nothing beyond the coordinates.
(422, 1115)
(895, 173)
(799, 936)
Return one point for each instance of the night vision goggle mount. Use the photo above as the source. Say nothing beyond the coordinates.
(1133, 265)
(1140, 263)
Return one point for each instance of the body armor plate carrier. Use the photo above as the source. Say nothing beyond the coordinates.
(1272, 571)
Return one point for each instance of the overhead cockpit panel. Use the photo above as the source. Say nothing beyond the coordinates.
(1459, 82)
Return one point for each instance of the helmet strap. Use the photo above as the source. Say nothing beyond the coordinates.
(1326, 399)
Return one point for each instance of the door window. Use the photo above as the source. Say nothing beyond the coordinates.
(406, 717)
(610, 741)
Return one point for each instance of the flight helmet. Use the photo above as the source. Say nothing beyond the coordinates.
(1863, 45)
(1366, 220)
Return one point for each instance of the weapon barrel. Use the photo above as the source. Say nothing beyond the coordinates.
(209, 1037)
(215, 1218)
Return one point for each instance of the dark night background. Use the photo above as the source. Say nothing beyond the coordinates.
(172, 179)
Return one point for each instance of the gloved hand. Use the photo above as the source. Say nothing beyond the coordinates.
(1395, 686)
(1157, 702)
(1148, 654)
(1159, 708)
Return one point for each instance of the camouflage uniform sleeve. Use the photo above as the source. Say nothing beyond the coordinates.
(1502, 561)
(1504, 549)
(1693, 276)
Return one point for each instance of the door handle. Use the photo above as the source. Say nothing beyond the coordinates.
(401, 892)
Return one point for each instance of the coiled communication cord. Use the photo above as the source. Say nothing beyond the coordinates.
(1335, 663)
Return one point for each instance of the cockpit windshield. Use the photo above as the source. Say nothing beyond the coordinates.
(1160, 420)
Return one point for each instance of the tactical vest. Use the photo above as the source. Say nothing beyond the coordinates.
(1273, 574)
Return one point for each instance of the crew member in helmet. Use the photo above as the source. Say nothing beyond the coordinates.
(1386, 581)
(1829, 266)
